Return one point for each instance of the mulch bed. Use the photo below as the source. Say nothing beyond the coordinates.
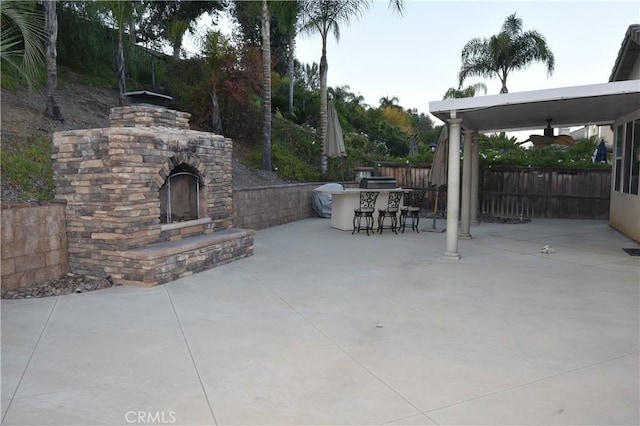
(485, 218)
(71, 283)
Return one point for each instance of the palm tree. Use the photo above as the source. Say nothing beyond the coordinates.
(339, 94)
(175, 33)
(511, 49)
(266, 70)
(121, 12)
(211, 44)
(311, 76)
(386, 101)
(323, 17)
(467, 92)
(22, 38)
(171, 19)
(356, 101)
(287, 13)
(52, 109)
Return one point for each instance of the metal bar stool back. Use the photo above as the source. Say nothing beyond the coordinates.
(366, 210)
(393, 206)
(411, 208)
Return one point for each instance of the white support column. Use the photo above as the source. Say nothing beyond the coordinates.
(465, 210)
(453, 188)
(475, 178)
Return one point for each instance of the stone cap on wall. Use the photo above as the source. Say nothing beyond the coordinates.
(146, 115)
(28, 204)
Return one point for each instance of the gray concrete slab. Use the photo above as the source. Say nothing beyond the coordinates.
(22, 324)
(568, 398)
(322, 327)
(5, 406)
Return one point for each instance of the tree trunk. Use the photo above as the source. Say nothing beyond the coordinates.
(177, 31)
(292, 51)
(266, 69)
(216, 122)
(323, 103)
(132, 30)
(504, 89)
(177, 45)
(121, 76)
(52, 109)
(503, 80)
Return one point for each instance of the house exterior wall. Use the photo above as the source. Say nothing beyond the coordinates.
(624, 212)
(602, 132)
(635, 72)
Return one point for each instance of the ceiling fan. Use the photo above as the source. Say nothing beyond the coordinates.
(549, 139)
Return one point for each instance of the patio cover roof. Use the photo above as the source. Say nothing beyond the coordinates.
(567, 106)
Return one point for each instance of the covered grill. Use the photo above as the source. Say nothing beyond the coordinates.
(378, 182)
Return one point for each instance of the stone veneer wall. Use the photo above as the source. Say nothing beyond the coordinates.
(148, 116)
(160, 263)
(110, 179)
(34, 244)
(266, 206)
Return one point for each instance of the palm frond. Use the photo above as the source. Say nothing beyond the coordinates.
(22, 38)
(512, 25)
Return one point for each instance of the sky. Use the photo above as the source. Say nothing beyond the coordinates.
(416, 56)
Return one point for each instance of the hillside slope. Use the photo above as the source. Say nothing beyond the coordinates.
(83, 106)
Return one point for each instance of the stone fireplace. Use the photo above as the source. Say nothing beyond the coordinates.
(147, 200)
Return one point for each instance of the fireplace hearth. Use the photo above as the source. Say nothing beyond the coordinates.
(147, 200)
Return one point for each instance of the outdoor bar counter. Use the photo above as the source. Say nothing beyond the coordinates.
(344, 201)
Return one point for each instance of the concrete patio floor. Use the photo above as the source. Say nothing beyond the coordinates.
(322, 327)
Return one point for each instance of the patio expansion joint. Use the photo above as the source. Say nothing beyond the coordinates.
(532, 382)
(75, 389)
(35, 347)
(193, 362)
(344, 351)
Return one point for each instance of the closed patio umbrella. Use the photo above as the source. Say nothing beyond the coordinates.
(334, 145)
(438, 175)
(601, 153)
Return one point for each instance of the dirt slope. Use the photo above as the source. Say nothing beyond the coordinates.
(83, 106)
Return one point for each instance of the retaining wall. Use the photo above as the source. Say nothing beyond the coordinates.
(266, 206)
(34, 244)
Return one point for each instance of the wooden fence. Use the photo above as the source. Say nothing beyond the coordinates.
(510, 191)
(557, 193)
(409, 176)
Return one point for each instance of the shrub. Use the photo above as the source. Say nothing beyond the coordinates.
(497, 150)
(295, 151)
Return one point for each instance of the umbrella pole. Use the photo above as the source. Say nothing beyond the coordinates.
(435, 210)
(435, 213)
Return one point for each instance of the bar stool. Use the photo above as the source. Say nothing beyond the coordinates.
(366, 210)
(391, 211)
(411, 209)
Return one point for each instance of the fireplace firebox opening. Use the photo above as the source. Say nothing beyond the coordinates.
(181, 196)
